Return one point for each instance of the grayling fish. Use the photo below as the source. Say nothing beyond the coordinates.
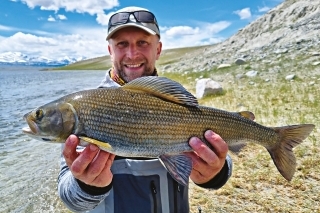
(155, 117)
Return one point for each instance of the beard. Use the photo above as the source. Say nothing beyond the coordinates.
(120, 69)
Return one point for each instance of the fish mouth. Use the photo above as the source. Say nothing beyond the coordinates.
(33, 128)
(28, 131)
(33, 131)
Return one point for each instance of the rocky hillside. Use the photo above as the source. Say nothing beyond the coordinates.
(288, 36)
(285, 40)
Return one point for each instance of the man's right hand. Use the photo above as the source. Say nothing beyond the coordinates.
(91, 166)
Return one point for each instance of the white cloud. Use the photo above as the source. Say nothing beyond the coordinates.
(245, 13)
(91, 6)
(51, 19)
(77, 41)
(103, 18)
(217, 27)
(77, 44)
(186, 36)
(61, 17)
(90, 42)
(263, 9)
(6, 28)
(181, 31)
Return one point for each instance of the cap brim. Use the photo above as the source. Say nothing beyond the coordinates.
(130, 24)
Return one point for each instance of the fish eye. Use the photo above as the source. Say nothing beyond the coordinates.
(39, 114)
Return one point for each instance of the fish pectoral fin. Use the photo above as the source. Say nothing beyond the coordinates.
(179, 167)
(103, 145)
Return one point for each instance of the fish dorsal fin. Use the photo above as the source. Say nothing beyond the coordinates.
(163, 88)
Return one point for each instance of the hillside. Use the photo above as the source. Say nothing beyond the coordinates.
(169, 56)
(285, 37)
(283, 43)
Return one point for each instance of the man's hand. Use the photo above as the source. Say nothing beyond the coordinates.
(207, 163)
(91, 166)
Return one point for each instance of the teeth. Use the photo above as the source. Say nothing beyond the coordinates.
(133, 65)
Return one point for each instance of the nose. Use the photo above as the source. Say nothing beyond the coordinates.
(132, 52)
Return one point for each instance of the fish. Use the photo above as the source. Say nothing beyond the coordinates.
(154, 117)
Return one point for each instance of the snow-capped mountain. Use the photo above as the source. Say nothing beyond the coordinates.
(18, 58)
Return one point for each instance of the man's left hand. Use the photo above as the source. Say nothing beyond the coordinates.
(207, 162)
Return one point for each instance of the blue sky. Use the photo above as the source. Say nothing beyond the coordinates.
(75, 28)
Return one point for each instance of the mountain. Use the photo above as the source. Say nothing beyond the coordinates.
(286, 38)
(18, 58)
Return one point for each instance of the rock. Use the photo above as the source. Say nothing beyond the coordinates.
(240, 61)
(290, 77)
(239, 76)
(315, 54)
(252, 73)
(224, 66)
(280, 51)
(207, 86)
(167, 67)
(316, 63)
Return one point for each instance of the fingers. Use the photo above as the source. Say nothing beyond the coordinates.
(207, 162)
(210, 156)
(105, 173)
(81, 163)
(219, 145)
(91, 166)
(69, 152)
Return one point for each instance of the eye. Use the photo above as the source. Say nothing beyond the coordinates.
(142, 43)
(122, 44)
(39, 114)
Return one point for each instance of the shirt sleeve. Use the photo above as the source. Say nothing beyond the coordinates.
(71, 193)
(221, 178)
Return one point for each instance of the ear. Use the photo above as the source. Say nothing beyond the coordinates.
(110, 52)
(159, 49)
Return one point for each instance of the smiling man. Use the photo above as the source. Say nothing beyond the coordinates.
(96, 181)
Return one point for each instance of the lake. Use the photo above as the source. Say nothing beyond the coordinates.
(29, 168)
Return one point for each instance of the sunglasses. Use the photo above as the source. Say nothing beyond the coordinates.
(140, 16)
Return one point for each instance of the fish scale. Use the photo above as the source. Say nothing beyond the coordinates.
(141, 125)
(161, 122)
(155, 117)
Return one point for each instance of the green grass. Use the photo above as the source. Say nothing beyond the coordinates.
(256, 185)
(103, 63)
(100, 63)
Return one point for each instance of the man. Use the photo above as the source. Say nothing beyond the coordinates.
(97, 181)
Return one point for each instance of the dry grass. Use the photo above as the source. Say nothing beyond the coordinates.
(256, 185)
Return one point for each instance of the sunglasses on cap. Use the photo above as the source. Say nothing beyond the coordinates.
(140, 16)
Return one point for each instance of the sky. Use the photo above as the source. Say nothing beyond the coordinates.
(78, 28)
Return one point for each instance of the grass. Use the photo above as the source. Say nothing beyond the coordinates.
(103, 63)
(256, 185)
(100, 63)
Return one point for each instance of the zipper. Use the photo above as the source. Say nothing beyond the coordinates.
(176, 190)
(154, 197)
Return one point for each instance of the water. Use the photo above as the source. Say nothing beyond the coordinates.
(29, 168)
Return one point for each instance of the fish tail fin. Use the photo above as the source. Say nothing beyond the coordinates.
(282, 154)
